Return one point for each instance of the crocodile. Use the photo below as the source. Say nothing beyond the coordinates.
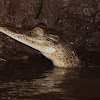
(51, 45)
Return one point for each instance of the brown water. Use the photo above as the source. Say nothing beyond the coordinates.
(40, 80)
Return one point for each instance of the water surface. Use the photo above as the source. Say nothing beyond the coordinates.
(43, 81)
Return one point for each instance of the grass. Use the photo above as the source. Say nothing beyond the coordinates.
(39, 7)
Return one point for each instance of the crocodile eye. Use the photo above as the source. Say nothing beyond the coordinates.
(38, 31)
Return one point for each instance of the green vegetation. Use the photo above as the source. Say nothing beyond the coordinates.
(39, 7)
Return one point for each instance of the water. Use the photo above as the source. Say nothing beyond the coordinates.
(43, 81)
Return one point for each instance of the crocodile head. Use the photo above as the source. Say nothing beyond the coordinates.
(44, 42)
(50, 45)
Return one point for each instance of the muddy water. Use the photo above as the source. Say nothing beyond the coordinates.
(40, 80)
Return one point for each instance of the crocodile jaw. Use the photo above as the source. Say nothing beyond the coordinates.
(42, 46)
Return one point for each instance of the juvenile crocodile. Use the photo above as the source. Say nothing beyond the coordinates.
(52, 46)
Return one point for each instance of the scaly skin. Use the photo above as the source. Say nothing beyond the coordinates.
(49, 45)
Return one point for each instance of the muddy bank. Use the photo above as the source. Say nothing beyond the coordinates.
(76, 20)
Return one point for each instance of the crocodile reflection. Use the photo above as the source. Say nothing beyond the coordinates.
(49, 82)
(52, 46)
